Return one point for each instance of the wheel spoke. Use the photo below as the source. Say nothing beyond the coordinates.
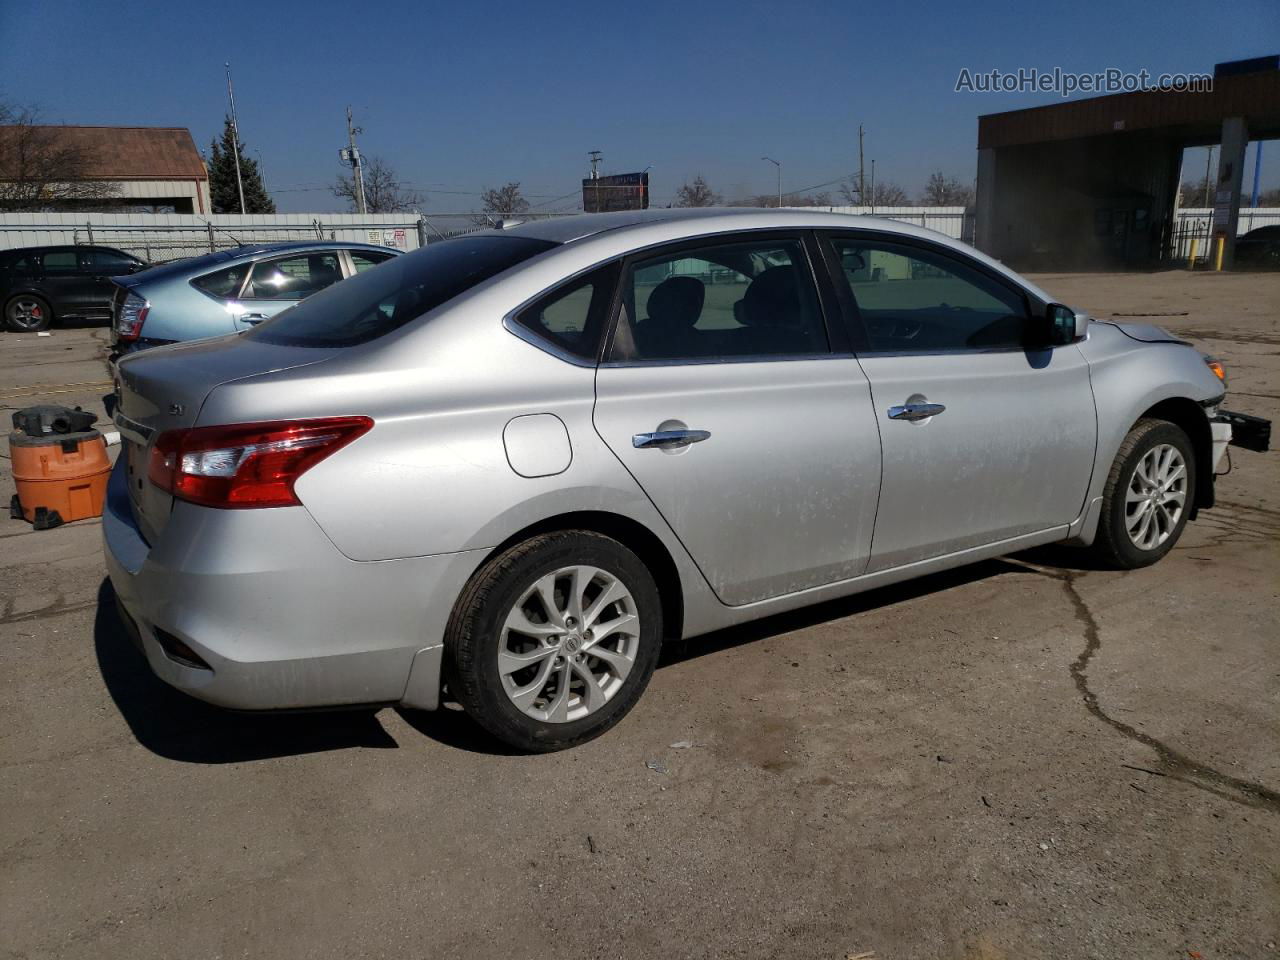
(1144, 508)
(1176, 474)
(623, 624)
(593, 697)
(614, 592)
(509, 662)
(1141, 538)
(523, 697)
(1134, 496)
(621, 665)
(545, 590)
(518, 622)
(558, 711)
(579, 579)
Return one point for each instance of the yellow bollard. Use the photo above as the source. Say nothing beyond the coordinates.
(1217, 260)
(1195, 249)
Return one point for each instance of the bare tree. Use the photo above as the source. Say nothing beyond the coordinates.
(850, 193)
(41, 168)
(889, 194)
(1197, 193)
(697, 194)
(943, 191)
(822, 199)
(500, 202)
(383, 190)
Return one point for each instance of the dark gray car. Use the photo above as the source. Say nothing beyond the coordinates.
(231, 290)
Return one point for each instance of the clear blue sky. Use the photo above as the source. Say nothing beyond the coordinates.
(461, 96)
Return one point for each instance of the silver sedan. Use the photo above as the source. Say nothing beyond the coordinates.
(507, 467)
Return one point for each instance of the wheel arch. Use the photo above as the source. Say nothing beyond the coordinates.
(633, 535)
(1190, 416)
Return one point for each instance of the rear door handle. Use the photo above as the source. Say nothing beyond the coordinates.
(668, 438)
(253, 318)
(915, 411)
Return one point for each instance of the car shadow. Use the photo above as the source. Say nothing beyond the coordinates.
(173, 725)
(178, 727)
(453, 728)
(680, 651)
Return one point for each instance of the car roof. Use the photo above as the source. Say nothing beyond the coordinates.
(206, 262)
(698, 220)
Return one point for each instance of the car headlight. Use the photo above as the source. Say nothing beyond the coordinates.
(1219, 369)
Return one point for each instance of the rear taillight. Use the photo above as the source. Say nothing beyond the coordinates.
(132, 315)
(247, 464)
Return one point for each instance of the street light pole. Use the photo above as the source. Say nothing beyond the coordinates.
(779, 166)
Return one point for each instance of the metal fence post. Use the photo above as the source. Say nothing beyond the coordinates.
(89, 228)
(210, 225)
(422, 231)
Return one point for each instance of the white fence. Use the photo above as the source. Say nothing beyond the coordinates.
(955, 222)
(1196, 223)
(156, 237)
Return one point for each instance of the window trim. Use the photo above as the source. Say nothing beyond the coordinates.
(798, 235)
(526, 333)
(858, 331)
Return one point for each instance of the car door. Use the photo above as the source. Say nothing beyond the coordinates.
(100, 265)
(279, 282)
(66, 281)
(986, 436)
(722, 394)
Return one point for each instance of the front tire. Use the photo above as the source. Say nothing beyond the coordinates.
(1148, 495)
(554, 640)
(27, 313)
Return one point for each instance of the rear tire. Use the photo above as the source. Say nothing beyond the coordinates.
(554, 640)
(1148, 495)
(27, 313)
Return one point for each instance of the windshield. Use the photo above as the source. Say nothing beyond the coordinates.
(387, 297)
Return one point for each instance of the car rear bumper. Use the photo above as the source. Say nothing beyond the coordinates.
(257, 610)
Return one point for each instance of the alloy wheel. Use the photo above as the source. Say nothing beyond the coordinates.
(26, 314)
(568, 644)
(1156, 496)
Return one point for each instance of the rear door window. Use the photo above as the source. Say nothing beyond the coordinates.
(362, 260)
(738, 298)
(293, 278)
(110, 263)
(377, 302)
(61, 262)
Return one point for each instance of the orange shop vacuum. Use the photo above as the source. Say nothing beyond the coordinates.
(60, 466)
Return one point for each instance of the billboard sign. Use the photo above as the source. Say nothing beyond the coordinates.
(621, 191)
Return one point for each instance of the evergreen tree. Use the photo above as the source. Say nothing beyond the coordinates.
(222, 177)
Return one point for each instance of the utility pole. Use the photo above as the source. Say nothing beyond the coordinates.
(595, 162)
(779, 166)
(235, 134)
(862, 187)
(351, 155)
(873, 186)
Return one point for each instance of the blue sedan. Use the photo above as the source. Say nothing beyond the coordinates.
(228, 291)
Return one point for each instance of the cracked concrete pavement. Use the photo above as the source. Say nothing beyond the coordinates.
(1025, 758)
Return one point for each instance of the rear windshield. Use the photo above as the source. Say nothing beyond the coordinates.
(387, 297)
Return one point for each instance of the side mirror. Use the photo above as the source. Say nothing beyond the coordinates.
(1063, 325)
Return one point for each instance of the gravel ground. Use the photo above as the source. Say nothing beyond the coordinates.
(1027, 758)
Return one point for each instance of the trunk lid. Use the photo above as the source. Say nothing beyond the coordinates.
(164, 389)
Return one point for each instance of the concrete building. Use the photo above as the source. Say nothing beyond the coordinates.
(150, 168)
(1094, 182)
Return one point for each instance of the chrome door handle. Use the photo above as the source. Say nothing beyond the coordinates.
(253, 318)
(915, 411)
(669, 438)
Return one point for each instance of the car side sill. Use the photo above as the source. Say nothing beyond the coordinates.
(729, 616)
